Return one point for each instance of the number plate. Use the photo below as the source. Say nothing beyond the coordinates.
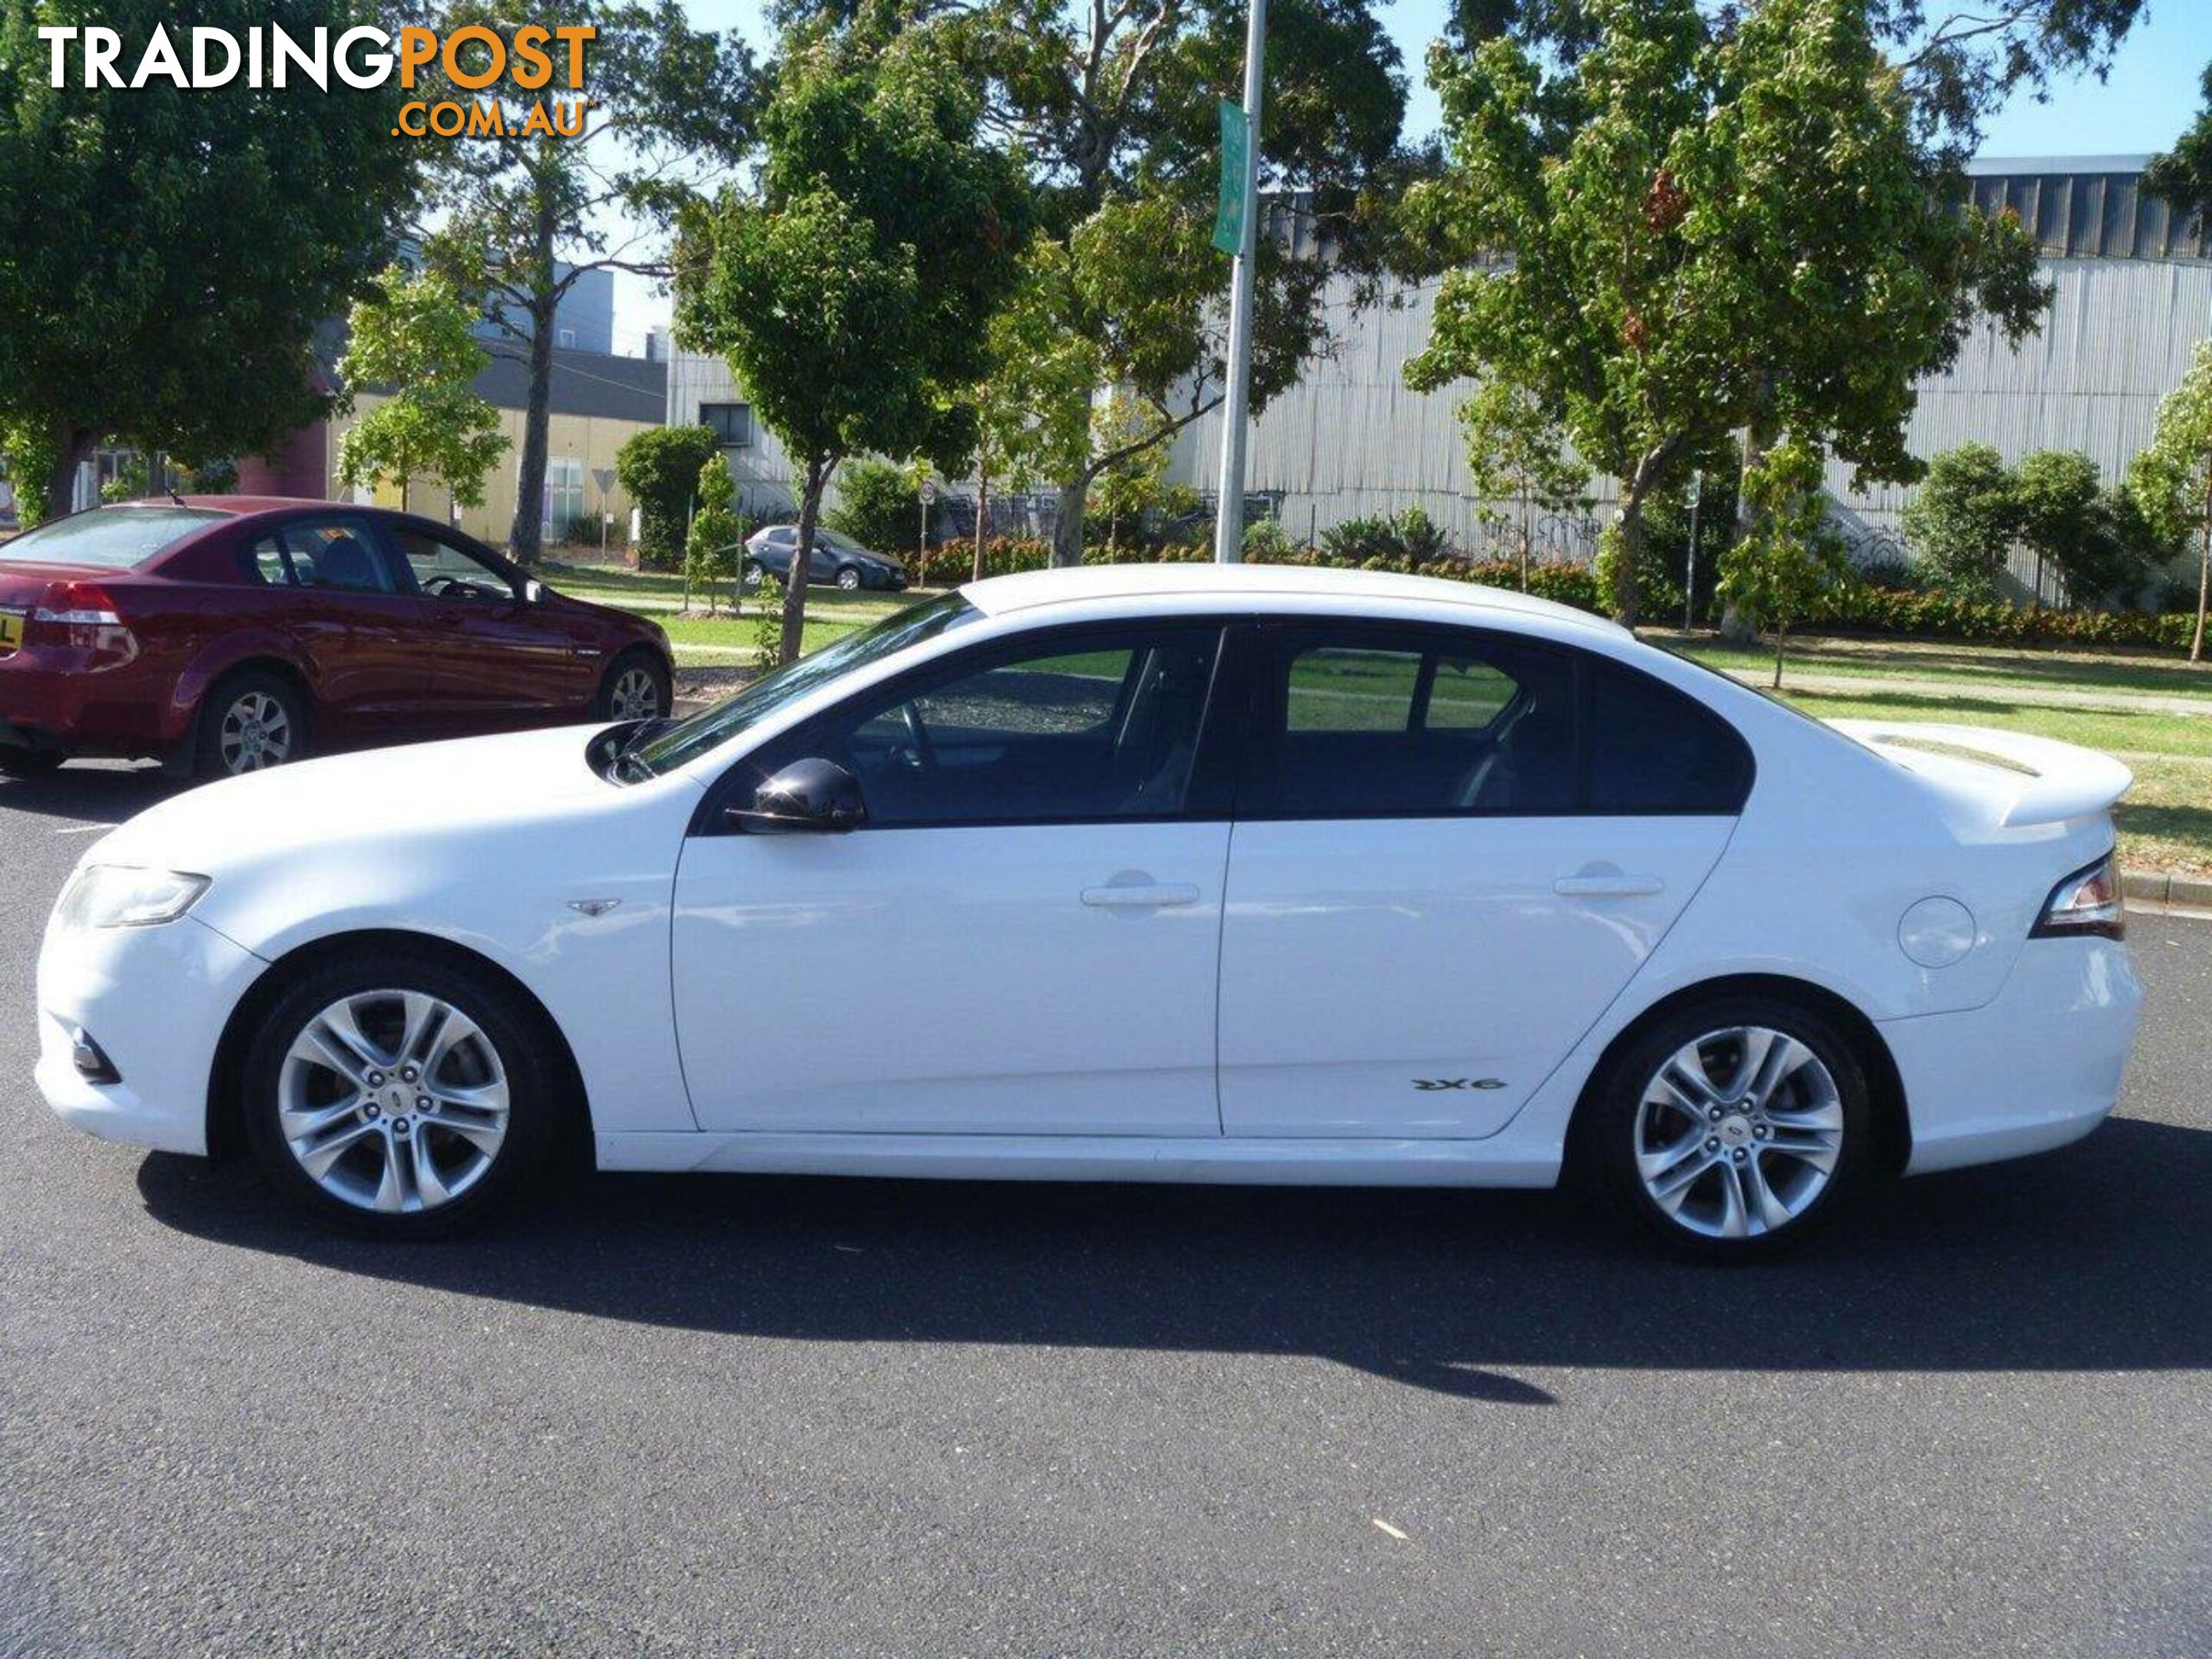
(11, 629)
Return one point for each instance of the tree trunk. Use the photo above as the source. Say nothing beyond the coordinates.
(1781, 636)
(2203, 592)
(1067, 530)
(525, 541)
(818, 469)
(982, 517)
(71, 446)
(1736, 624)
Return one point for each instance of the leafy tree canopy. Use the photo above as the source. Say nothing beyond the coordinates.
(2172, 478)
(413, 343)
(1964, 518)
(659, 469)
(169, 252)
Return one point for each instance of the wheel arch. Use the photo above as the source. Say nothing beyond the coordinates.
(200, 683)
(226, 1132)
(1892, 1120)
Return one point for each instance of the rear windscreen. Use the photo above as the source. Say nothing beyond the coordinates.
(112, 538)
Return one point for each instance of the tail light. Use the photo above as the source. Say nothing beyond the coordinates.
(83, 615)
(2086, 902)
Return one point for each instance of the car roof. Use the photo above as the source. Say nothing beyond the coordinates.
(1238, 584)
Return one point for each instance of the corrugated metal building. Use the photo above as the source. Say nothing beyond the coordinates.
(2133, 295)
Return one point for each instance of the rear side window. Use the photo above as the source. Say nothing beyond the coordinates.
(1654, 749)
(264, 562)
(335, 553)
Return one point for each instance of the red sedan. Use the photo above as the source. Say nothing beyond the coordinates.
(226, 634)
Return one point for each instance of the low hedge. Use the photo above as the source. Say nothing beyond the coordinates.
(1859, 609)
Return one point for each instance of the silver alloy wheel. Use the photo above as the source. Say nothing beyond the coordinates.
(848, 580)
(1739, 1132)
(752, 575)
(256, 733)
(392, 1100)
(635, 696)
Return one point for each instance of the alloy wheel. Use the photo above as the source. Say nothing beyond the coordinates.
(256, 734)
(392, 1100)
(1739, 1132)
(848, 580)
(635, 696)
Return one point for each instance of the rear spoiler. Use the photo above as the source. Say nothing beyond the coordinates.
(2048, 782)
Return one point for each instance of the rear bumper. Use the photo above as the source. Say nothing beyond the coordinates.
(50, 701)
(2037, 1067)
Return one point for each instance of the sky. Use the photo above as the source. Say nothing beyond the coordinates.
(2141, 107)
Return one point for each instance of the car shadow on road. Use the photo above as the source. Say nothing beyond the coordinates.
(2087, 1259)
(91, 794)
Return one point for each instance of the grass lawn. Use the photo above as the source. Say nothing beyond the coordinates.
(2014, 667)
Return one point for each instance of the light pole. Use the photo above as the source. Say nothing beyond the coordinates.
(1229, 512)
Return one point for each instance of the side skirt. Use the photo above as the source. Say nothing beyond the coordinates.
(1281, 1162)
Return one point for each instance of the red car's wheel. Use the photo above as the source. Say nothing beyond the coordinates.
(250, 722)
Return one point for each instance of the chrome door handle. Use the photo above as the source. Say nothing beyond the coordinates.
(1608, 886)
(1144, 895)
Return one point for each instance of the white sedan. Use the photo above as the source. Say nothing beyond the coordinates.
(1159, 873)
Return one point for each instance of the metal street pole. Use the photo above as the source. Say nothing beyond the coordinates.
(1690, 585)
(1229, 513)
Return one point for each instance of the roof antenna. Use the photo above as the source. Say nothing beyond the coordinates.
(175, 497)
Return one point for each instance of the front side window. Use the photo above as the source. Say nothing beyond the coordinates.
(440, 570)
(1061, 731)
(1391, 724)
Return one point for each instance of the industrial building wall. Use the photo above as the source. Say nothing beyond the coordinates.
(1350, 438)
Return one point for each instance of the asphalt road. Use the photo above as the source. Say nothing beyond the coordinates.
(735, 1415)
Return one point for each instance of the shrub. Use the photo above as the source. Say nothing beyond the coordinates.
(658, 469)
(1408, 540)
(710, 553)
(1266, 541)
(879, 506)
(1964, 518)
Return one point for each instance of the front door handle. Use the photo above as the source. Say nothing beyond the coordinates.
(1141, 895)
(1612, 886)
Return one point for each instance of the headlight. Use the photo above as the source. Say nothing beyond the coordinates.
(118, 895)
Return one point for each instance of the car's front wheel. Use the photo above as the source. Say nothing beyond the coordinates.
(848, 579)
(752, 575)
(636, 688)
(1732, 1128)
(399, 1094)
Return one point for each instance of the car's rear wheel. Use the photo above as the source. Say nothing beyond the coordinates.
(1732, 1128)
(28, 763)
(848, 579)
(250, 722)
(399, 1095)
(636, 688)
(752, 575)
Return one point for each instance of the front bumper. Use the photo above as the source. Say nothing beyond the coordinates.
(2036, 1068)
(156, 999)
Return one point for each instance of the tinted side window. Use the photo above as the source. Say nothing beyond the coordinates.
(335, 553)
(264, 562)
(1103, 728)
(427, 565)
(1357, 723)
(1654, 749)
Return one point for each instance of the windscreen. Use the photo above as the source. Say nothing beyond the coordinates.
(108, 538)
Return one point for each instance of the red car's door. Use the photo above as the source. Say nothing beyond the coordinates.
(497, 660)
(350, 627)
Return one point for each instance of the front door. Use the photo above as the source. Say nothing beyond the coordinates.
(492, 658)
(1023, 937)
(1453, 850)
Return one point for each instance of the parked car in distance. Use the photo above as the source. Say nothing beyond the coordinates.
(837, 560)
(227, 634)
(1164, 872)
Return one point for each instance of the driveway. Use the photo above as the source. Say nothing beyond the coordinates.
(733, 1415)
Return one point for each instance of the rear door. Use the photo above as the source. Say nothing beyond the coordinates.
(1453, 848)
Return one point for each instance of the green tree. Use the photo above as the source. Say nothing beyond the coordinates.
(169, 252)
(413, 342)
(710, 552)
(658, 469)
(851, 286)
(1713, 231)
(27, 444)
(1794, 558)
(879, 505)
(1523, 466)
(525, 215)
(2056, 493)
(2172, 478)
(1964, 518)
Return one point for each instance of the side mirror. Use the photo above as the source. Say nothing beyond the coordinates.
(816, 795)
(534, 591)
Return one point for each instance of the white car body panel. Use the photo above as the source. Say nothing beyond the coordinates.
(1003, 1027)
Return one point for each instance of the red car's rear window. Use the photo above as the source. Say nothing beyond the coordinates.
(111, 539)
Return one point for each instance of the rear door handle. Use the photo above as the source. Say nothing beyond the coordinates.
(1621, 886)
(1141, 895)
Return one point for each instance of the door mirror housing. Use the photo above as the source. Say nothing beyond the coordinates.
(808, 795)
(534, 591)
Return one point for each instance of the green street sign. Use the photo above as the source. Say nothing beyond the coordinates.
(1229, 216)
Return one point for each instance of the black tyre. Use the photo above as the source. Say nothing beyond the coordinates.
(752, 575)
(401, 1095)
(1731, 1129)
(848, 579)
(636, 688)
(249, 722)
(28, 763)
